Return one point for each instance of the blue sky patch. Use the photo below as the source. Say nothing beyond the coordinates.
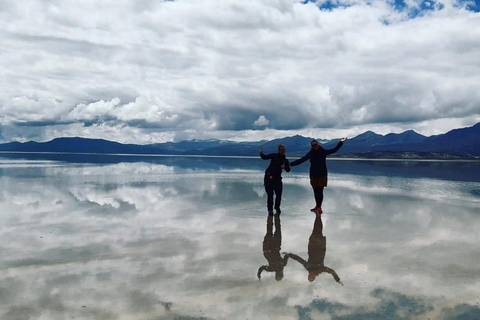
(401, 6)
(471, 5)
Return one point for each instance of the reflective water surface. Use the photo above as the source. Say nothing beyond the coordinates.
(189, 238)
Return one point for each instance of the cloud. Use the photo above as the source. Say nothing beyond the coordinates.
(197, 228)
(95, 110)
(261, 121)
(203, 68)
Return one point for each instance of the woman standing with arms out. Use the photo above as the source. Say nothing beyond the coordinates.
(273, 177)
(318, 169)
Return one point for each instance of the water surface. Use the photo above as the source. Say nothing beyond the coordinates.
(184, 238)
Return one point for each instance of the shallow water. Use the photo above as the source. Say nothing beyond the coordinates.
(183, 238)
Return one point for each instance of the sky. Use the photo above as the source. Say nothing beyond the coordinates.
(157, 71)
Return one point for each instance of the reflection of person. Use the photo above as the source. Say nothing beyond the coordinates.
(318, 169)
(271, 250)
(273, 177)
(317, 246)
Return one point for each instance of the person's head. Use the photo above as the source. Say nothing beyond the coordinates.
(314, 144)
(282, 149)
(311, 276)
(279, 275)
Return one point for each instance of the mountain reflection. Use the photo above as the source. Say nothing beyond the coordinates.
(317, 247)
(158, 241)
(271, 249)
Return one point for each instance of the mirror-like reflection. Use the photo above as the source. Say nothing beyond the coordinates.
(272, 244)
(317, 248)
(149, 240)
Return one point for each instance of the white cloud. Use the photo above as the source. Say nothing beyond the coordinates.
(204, 66)
(95, 110)
(261, 121)
(149, 111)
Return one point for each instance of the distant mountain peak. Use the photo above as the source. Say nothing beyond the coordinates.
(410, 133)
(414, 133)
(368, 134)
(462, 140)
(79, 139)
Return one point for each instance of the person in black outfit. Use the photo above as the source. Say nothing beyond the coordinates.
(318, 169)
(273, 177)
(271, 249)
(317, 247)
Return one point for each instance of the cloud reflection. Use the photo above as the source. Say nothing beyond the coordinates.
(142, 240)
(389, 305)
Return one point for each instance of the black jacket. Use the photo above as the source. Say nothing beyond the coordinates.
(275, 167)
(318, 160)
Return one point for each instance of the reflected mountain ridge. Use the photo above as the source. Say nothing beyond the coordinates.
(445, 170)
(155, 241)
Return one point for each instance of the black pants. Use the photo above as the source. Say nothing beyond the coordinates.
(318, 193)
(273, 186)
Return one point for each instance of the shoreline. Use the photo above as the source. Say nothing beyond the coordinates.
(340, 158)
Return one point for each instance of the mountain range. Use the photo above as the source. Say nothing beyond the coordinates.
(463, 143)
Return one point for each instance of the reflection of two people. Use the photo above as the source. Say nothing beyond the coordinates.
(317, 246)
(271, 249)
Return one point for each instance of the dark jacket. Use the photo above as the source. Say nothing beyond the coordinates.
(275, 168)
(318, 160)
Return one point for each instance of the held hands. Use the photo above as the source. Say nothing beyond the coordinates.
(343, 139)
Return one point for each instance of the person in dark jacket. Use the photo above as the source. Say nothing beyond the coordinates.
(271, 250)
(318, 169)
(317, 247)
(273, 177)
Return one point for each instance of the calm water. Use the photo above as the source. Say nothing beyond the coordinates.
(183, 238)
